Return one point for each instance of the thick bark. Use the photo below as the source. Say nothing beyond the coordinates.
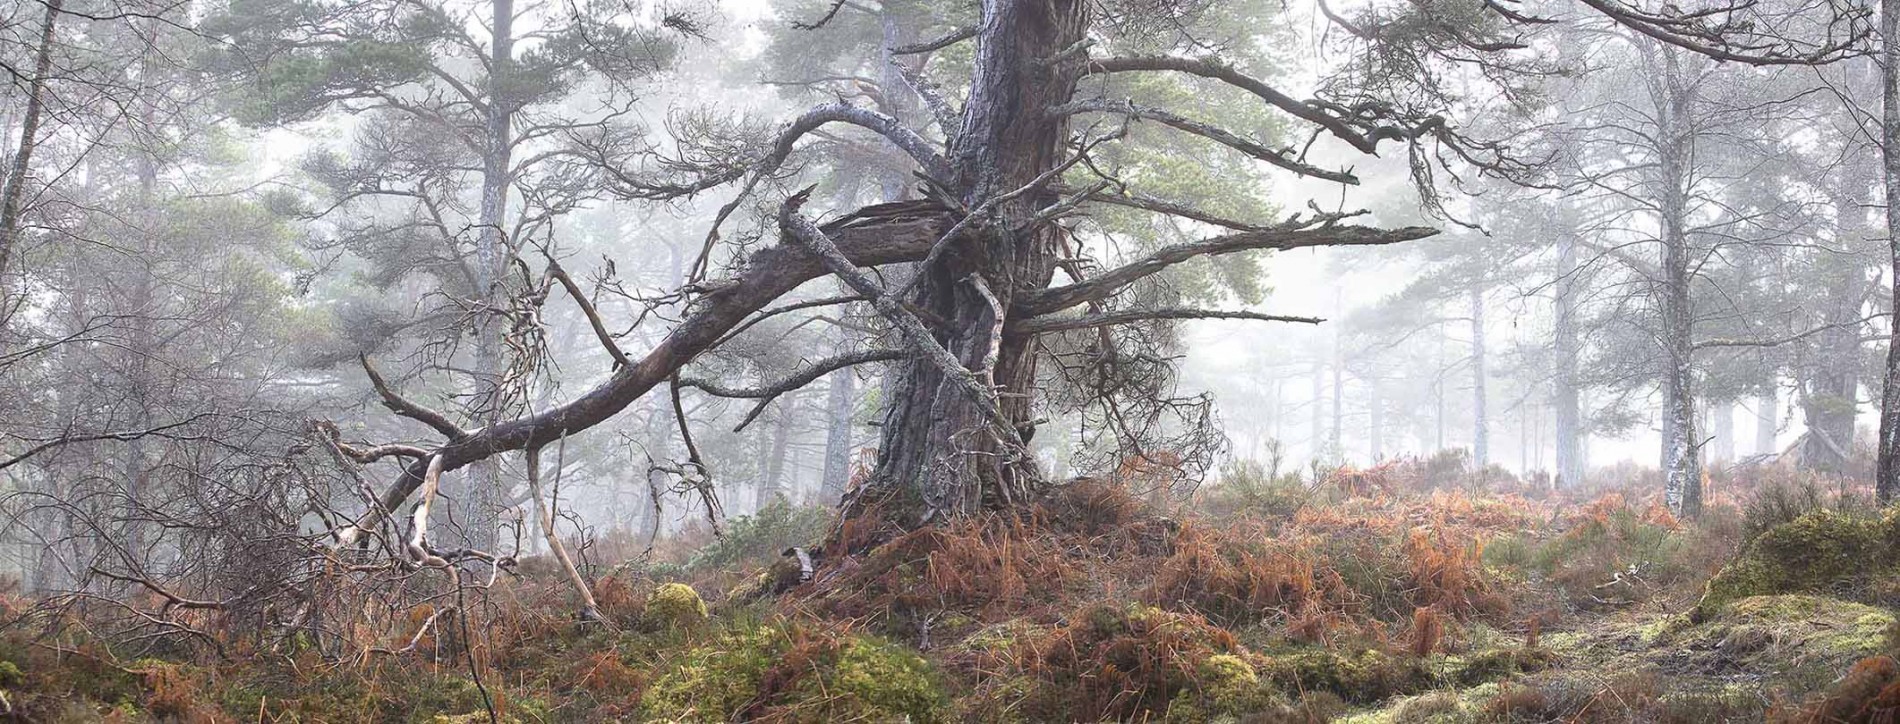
(1566, 399)
(939, 454)
(1887, 476)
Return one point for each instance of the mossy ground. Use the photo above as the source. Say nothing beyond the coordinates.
(1376, 599)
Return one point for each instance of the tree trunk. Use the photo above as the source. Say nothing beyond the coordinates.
(1318, 436)
(1565, 398)
(490, 492)
(839, 406)
(939, 453)
(15, 189)
(1376, 411)
(1682, 465)
(1831, 402)
(1768, 419)
(1722, 434)
(1335, 447)
(1887, 477)
(1480, 421)
(774, 484)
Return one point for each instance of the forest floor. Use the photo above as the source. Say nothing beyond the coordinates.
(1410, 592)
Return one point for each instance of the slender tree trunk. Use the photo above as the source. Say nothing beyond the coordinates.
(1767, 418)
(1376, 411)
(1480, 415)
(14, 191)
(1565, 400)
(491, 252)
(1318, 435)
(839, 405)
(1887, 477)
(1336, 447)
(1722, 434)
(1682, 465)
(781, 441)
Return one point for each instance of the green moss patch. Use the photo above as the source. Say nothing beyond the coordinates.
(675, 604)
(788, 673)
(1821, 551)
(1797, 641)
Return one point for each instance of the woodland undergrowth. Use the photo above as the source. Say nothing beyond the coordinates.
(1415, 590)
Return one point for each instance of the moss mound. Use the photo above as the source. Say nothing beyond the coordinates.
(1821, 551)
(784, 672)
(674, 604)
(1362, 677)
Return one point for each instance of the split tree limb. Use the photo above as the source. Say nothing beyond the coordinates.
(418, 544)
(921, 150)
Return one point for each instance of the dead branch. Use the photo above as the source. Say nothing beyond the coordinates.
(1283, 158)
(866, 239)
(1739, 39)
(418, 545)
(544, 514)
(401, 406)
(1292, 235)
(1365, 139)
(953, 37)
(587, 308)
(1045, 325)
(806, 375)
(1789, 339)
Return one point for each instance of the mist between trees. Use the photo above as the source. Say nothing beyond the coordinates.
(300, 301)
